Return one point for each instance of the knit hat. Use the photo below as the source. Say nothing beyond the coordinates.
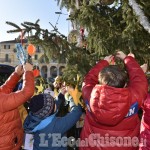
(42, 105)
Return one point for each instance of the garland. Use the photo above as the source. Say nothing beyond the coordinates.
(142, 18)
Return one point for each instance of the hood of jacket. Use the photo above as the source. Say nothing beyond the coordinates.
(109, 105)
(31, 122)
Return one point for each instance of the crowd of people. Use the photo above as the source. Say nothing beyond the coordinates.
(113, 96)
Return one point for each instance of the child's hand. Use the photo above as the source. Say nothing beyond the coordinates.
(131, 54)
(19, 70)
(120, 55)
(144, 67)
(28, 67)
(63, 90)
(109, 58)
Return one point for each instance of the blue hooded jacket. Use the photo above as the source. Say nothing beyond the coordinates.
(49, 133)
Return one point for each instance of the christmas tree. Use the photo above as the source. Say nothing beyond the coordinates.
(110, 24)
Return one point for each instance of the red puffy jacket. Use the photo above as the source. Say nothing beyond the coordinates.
(11, 132)
(111, 121)
(145, 126)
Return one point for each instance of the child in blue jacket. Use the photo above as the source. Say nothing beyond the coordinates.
(48, 129)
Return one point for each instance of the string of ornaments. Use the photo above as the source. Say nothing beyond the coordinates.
(31, 50)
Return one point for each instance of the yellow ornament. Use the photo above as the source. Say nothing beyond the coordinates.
(39, 89)
(75, 95)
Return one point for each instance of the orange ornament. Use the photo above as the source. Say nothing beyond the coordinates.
(36, 72)
(31, 49)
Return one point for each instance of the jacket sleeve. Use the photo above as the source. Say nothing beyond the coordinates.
(10, 84)
(13, 100)
(138, 84)
(63, 124)
(91, 79)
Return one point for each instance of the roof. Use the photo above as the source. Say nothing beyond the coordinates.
(14, 41)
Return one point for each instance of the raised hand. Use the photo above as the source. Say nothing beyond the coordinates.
(63, 90)
(120, 55)
(27, 67)
(109, 58)
(19, 70)
(131, 54)
(144, 67)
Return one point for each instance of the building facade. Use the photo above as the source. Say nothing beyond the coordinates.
(8, 56)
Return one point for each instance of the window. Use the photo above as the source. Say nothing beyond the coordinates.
(38, 49)
(36, 57)
(6, 57)
(6, 46)
(53, 71)
(44, 71)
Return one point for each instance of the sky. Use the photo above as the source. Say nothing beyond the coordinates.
(19, 11)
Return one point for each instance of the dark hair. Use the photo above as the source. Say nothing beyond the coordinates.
(114, 76)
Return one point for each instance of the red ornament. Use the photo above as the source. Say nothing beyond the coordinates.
(36, 72)
(82, 32)
(31, 49)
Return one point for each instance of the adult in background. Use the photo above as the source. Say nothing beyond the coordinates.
(145, 122)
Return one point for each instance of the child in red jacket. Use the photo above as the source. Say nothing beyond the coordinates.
(112, 121)
(145, 122)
